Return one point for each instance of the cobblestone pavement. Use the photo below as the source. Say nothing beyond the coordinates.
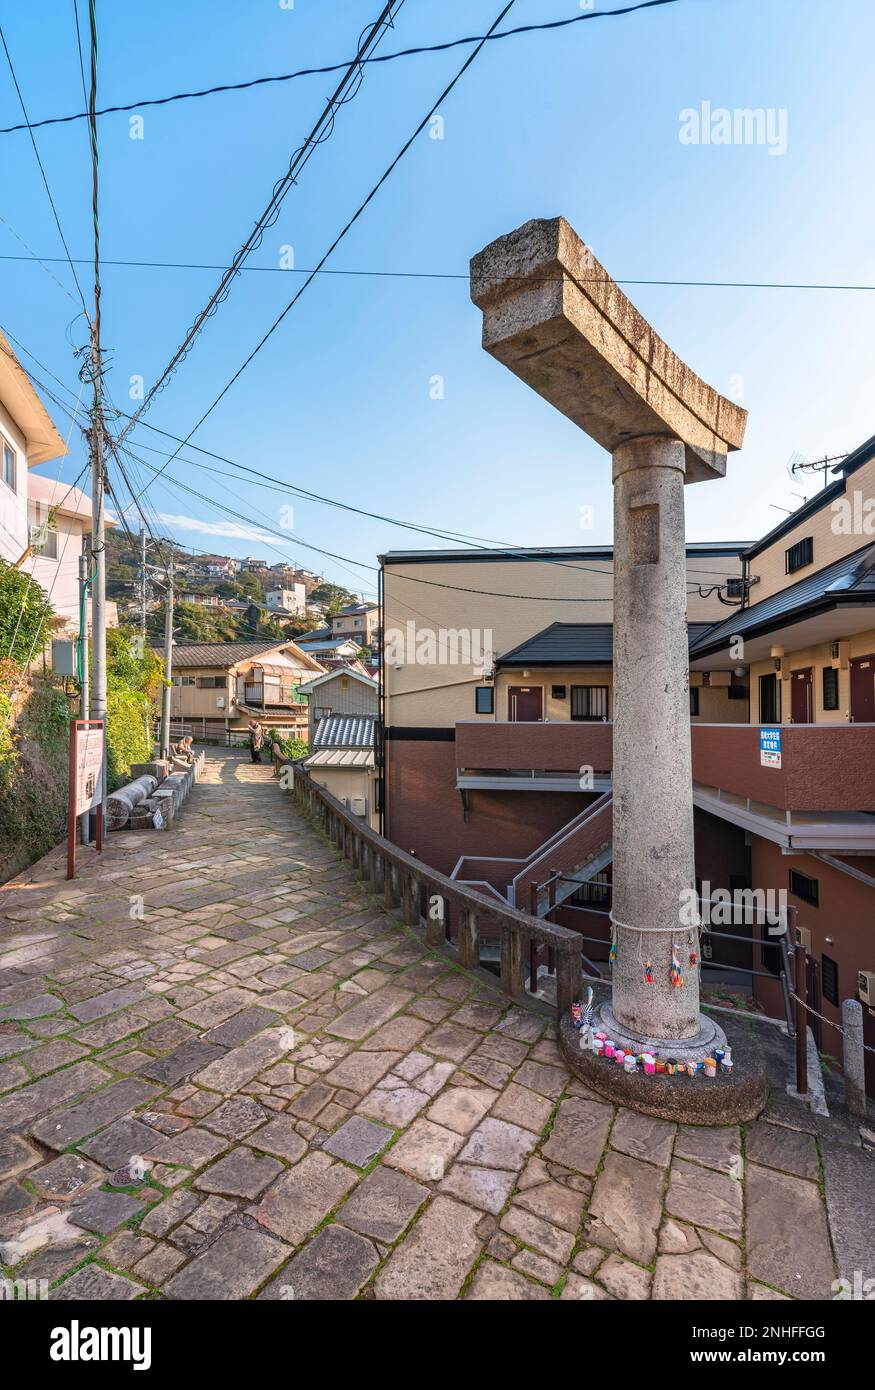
(324, 1109)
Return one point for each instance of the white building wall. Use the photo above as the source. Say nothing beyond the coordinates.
(13, 504)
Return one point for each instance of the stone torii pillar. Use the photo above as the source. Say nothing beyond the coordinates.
(559, 322)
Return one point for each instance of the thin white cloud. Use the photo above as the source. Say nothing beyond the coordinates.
(215, 528)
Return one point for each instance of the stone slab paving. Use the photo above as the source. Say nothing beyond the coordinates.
(296, 1100)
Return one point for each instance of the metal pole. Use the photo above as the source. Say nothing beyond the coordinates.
(168, 664)
(801, 1022)
(143, 581)
(83, 670)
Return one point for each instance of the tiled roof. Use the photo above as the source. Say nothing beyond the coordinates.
(220, 653)
(848, 580)
(564, 644)
(345, 731)
(328, 644)
(575, 644)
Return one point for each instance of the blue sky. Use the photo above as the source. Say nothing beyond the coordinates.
(582, 122)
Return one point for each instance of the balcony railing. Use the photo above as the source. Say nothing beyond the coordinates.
(260, 694)
(824, 767)
(564, 747)
(463, 915)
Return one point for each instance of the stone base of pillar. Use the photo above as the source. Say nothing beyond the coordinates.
(694, 1049)
(726, 1099)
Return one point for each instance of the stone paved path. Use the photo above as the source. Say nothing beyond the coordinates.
(327, 1110)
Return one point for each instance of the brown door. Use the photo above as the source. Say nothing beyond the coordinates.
(801, 692)
(525, 703)
(863, 689)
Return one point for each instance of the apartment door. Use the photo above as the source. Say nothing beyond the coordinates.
(863, 689)
(525, 703)
(802, 696)
(770, 700)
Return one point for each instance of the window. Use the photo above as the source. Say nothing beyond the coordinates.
(799, 555)
(737, 692)
(830, 688)
(186, 680)
(8, 463)
(589, 702)
(694, 699)
(484, 699)
(559, 692)
(770, 700)
(829, 979)
(803, 887)
(210, 682)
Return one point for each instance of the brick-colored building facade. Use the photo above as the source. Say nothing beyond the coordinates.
(497, 706)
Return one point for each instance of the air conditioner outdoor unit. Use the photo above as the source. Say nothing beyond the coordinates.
(803, 938)
(866, 987)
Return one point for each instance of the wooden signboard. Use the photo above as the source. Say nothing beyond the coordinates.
(86, 781)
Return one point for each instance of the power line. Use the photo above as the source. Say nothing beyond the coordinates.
(340, 236)
(322, 131)
(176, 484)
(41, 168)
(335, 67)
(451, 274)
(500, 548)
(39, 260)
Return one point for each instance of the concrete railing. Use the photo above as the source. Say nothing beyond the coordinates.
(450, 913)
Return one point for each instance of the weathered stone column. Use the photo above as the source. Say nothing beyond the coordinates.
(553, 315)
(653, 790)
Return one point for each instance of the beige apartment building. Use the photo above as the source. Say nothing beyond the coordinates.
(358, 622)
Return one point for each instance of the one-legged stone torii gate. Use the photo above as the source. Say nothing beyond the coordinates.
(559, 322)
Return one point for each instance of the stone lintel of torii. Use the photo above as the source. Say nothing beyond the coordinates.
(553, 315)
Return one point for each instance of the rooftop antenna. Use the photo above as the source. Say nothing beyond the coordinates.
(797, 465)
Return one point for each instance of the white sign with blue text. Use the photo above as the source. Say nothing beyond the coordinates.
(770, 747)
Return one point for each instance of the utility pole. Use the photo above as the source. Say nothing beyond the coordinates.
(84, 581)
(96, 442)
(168, 664)
(143, 582)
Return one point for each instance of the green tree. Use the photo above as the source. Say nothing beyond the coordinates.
(334, 595)
(134, 678)
(25, 615)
